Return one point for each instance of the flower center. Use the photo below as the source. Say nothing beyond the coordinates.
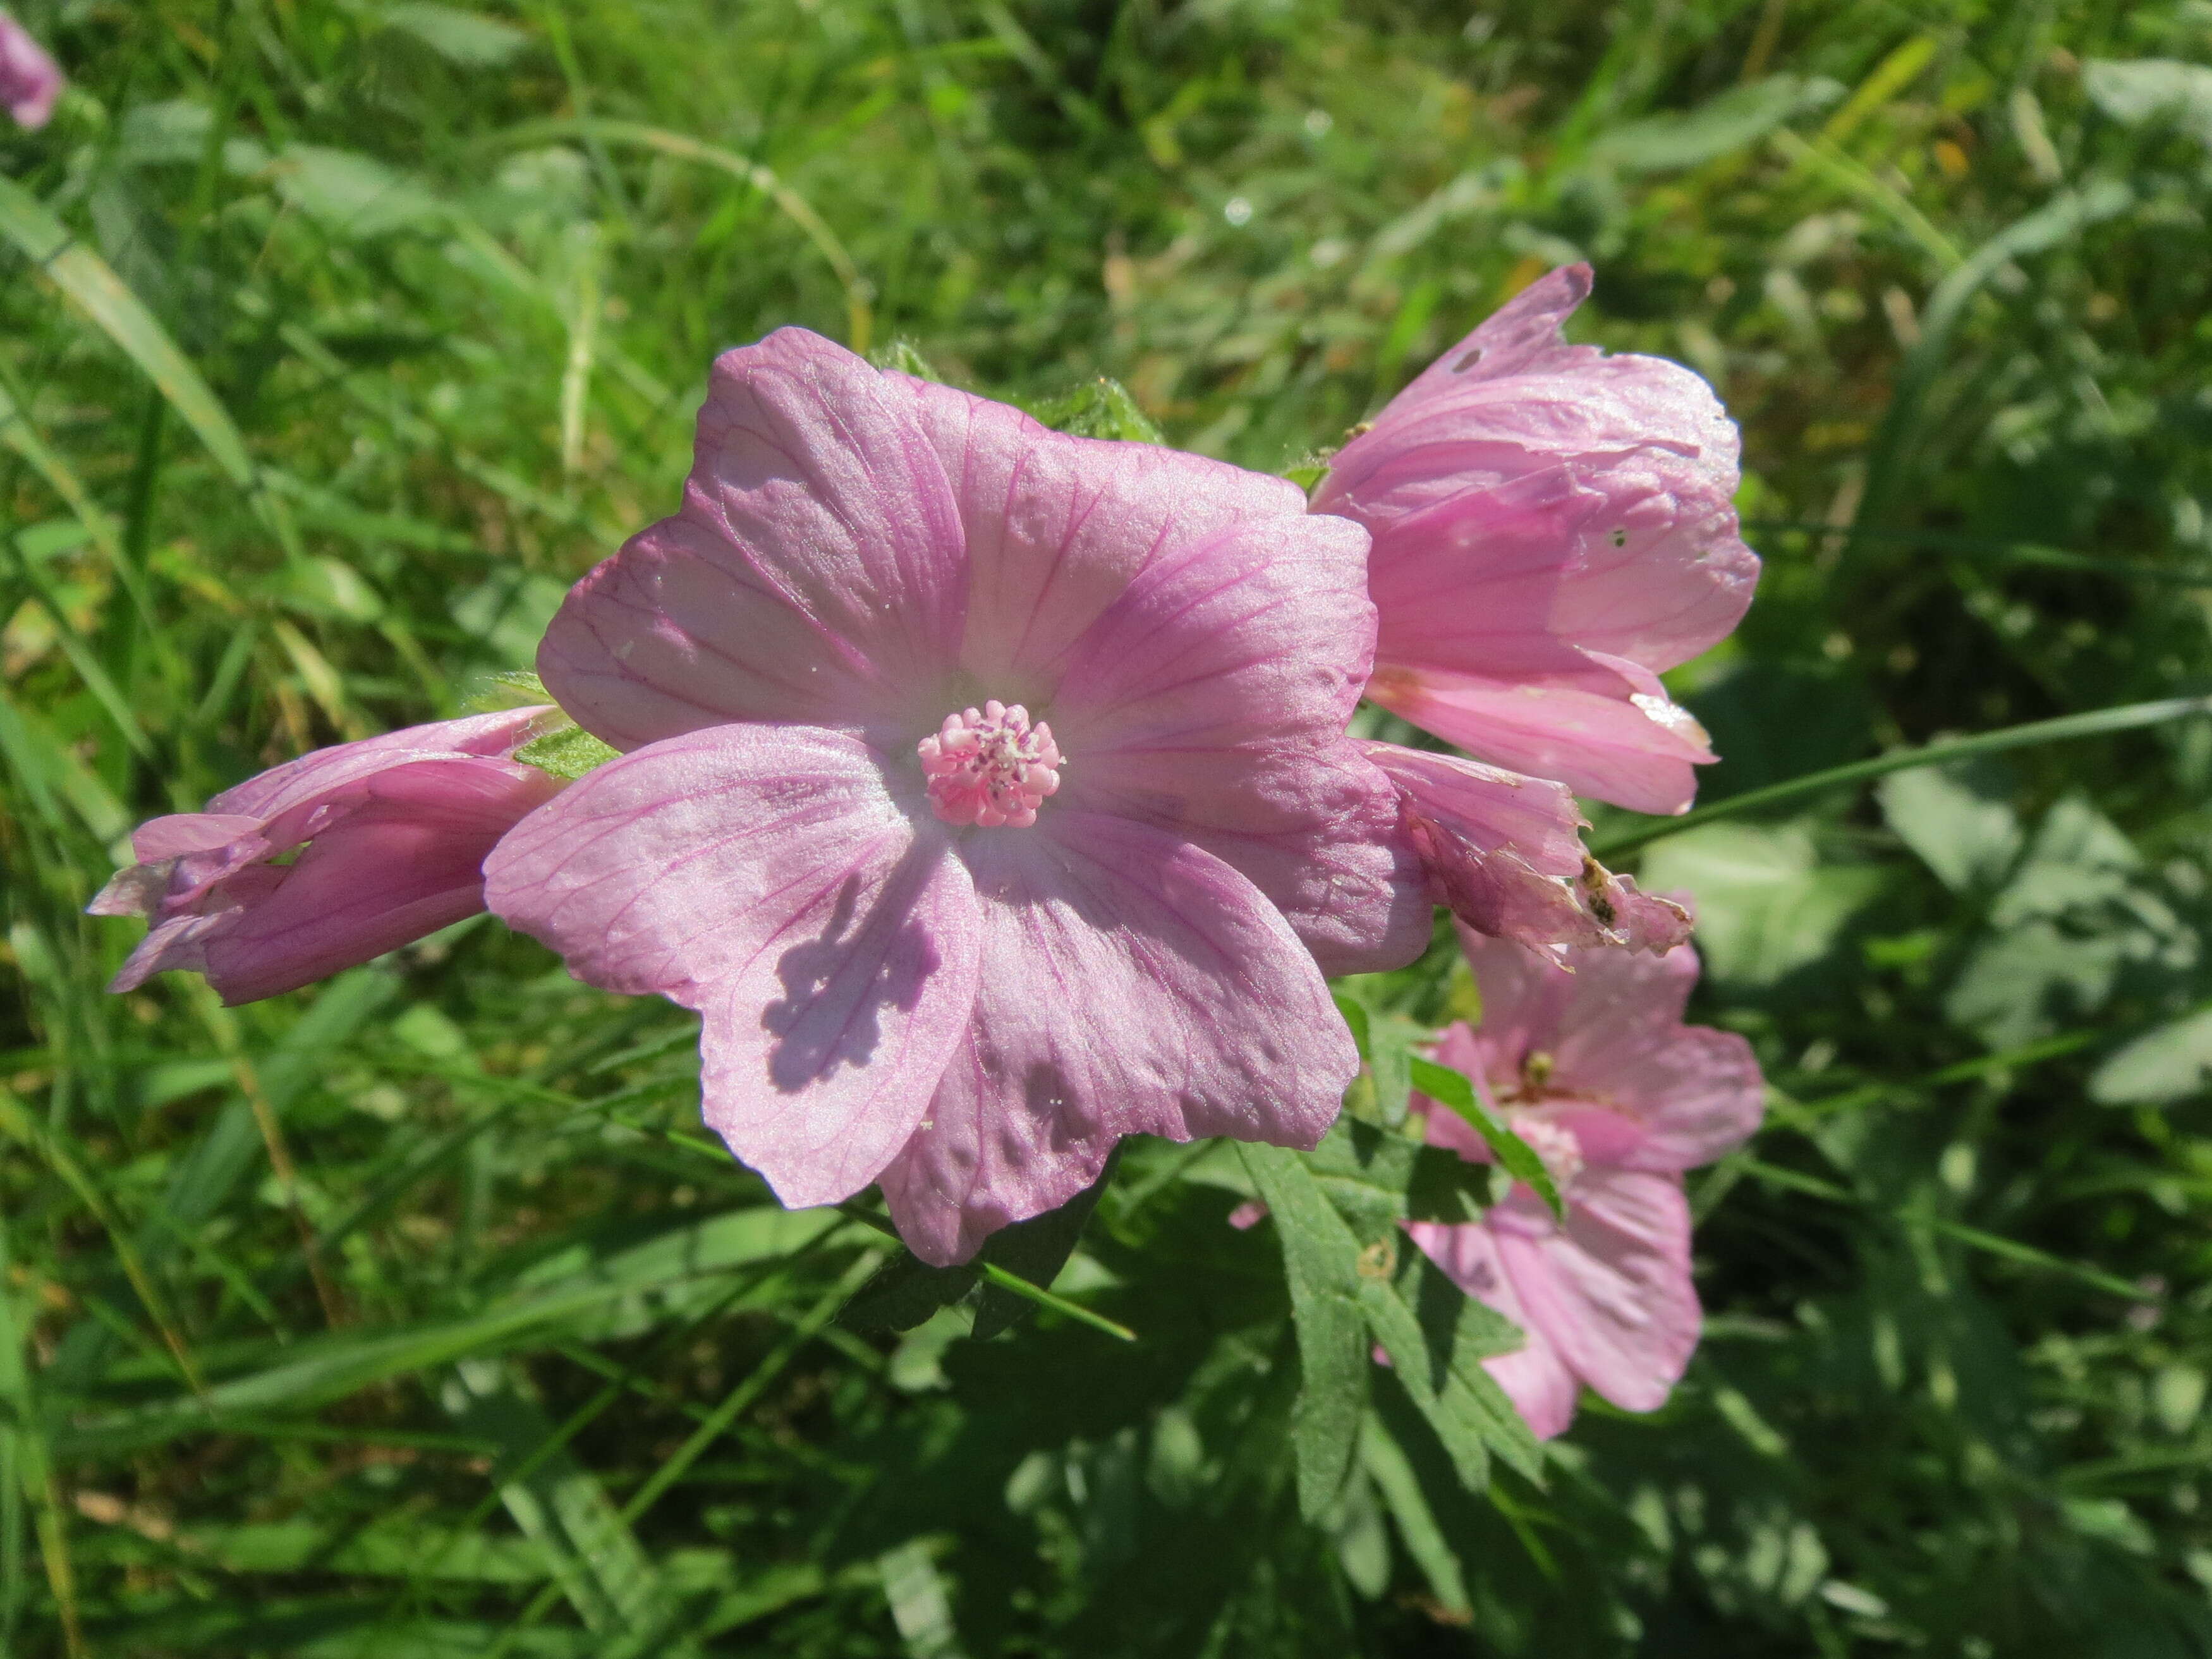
(1555, 1144)
(990, 766)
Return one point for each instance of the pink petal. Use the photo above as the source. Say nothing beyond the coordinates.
(1210, 699)
(1615, 1036)
(1537, 1381)
(325, 770)
(1610, 1290)
(1657, 574)
(1615, 736)
(1132, 984)
(1057, 526)
(190, 832)
(814, 575)
(399, 861)
(30, 80)
(766, 877)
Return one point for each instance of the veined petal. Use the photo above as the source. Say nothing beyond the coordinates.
(402, 858)
(1634, 748)
(766, 877)
(323, 771)
(1132, 984)
(1610, 1289)
(816, 574)
(1058, 525)
(1537, 1381)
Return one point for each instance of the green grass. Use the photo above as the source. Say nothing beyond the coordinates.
(410, 1314)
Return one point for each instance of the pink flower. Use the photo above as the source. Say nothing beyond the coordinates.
(30, 80)
(1596, 1072)
(394, 828)
(1552, 529)
(986, 793)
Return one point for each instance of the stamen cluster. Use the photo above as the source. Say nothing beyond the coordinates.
(990, 766)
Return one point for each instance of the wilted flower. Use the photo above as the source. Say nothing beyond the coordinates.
(986, 793)
(390, 834)
(1505, 854)
(1552, 529)
(1596, 1072)
(30, 80)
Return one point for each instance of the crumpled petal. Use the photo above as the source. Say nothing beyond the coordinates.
(767, 876)
(1504, 854)
(396, 828)
(816, 574)
(406, 859)
(1132, 984)
(1535, 1378)
(1610, 1289)
(1553, 528)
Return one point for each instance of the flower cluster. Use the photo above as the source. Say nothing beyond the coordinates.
(991, 792)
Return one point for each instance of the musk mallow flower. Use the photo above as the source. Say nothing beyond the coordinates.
(330, 860)
(1553, 529)
(30, 80)
(985, 790)
(1596, 1072)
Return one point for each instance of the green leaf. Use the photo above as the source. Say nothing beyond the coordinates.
(1438, 1336)
(566, 754)
(1958, 818)
(1099, 408)
(1034, 1251)
(1321, 1259)
(2167, 1063)
(2134, 90)
(87, 278)
(353, 195)
(2126, 717)
(901, 356)
(1740, 116)
(466, 38)
(1392, 1471)
(1766, 905)
(1456, 1090)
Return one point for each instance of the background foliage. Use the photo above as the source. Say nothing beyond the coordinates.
(422, 298)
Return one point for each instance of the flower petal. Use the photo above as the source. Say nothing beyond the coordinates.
(814, 575)
(766, 877)
(401, 857)
(1604, 732)
(1537, 1381)
(1057, 526)
(1653, 571)
(1615, 1036)
(1132, 984)
(1611, 1289)
(323, 770)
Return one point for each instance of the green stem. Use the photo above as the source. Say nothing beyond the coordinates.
(2125, 718)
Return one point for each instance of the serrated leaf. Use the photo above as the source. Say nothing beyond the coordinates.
(1099, 408)
(1320, 1258)
(1437, 1336)
(901, 356)
(1455, 1090)
(566, 754)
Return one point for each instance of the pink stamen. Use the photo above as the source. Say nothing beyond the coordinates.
(990, 766)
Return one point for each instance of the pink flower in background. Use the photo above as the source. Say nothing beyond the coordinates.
(986, 793)
(395, 831)
(1504, 854)
(1552, 529)
(1596, 1072)
(30, 80)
